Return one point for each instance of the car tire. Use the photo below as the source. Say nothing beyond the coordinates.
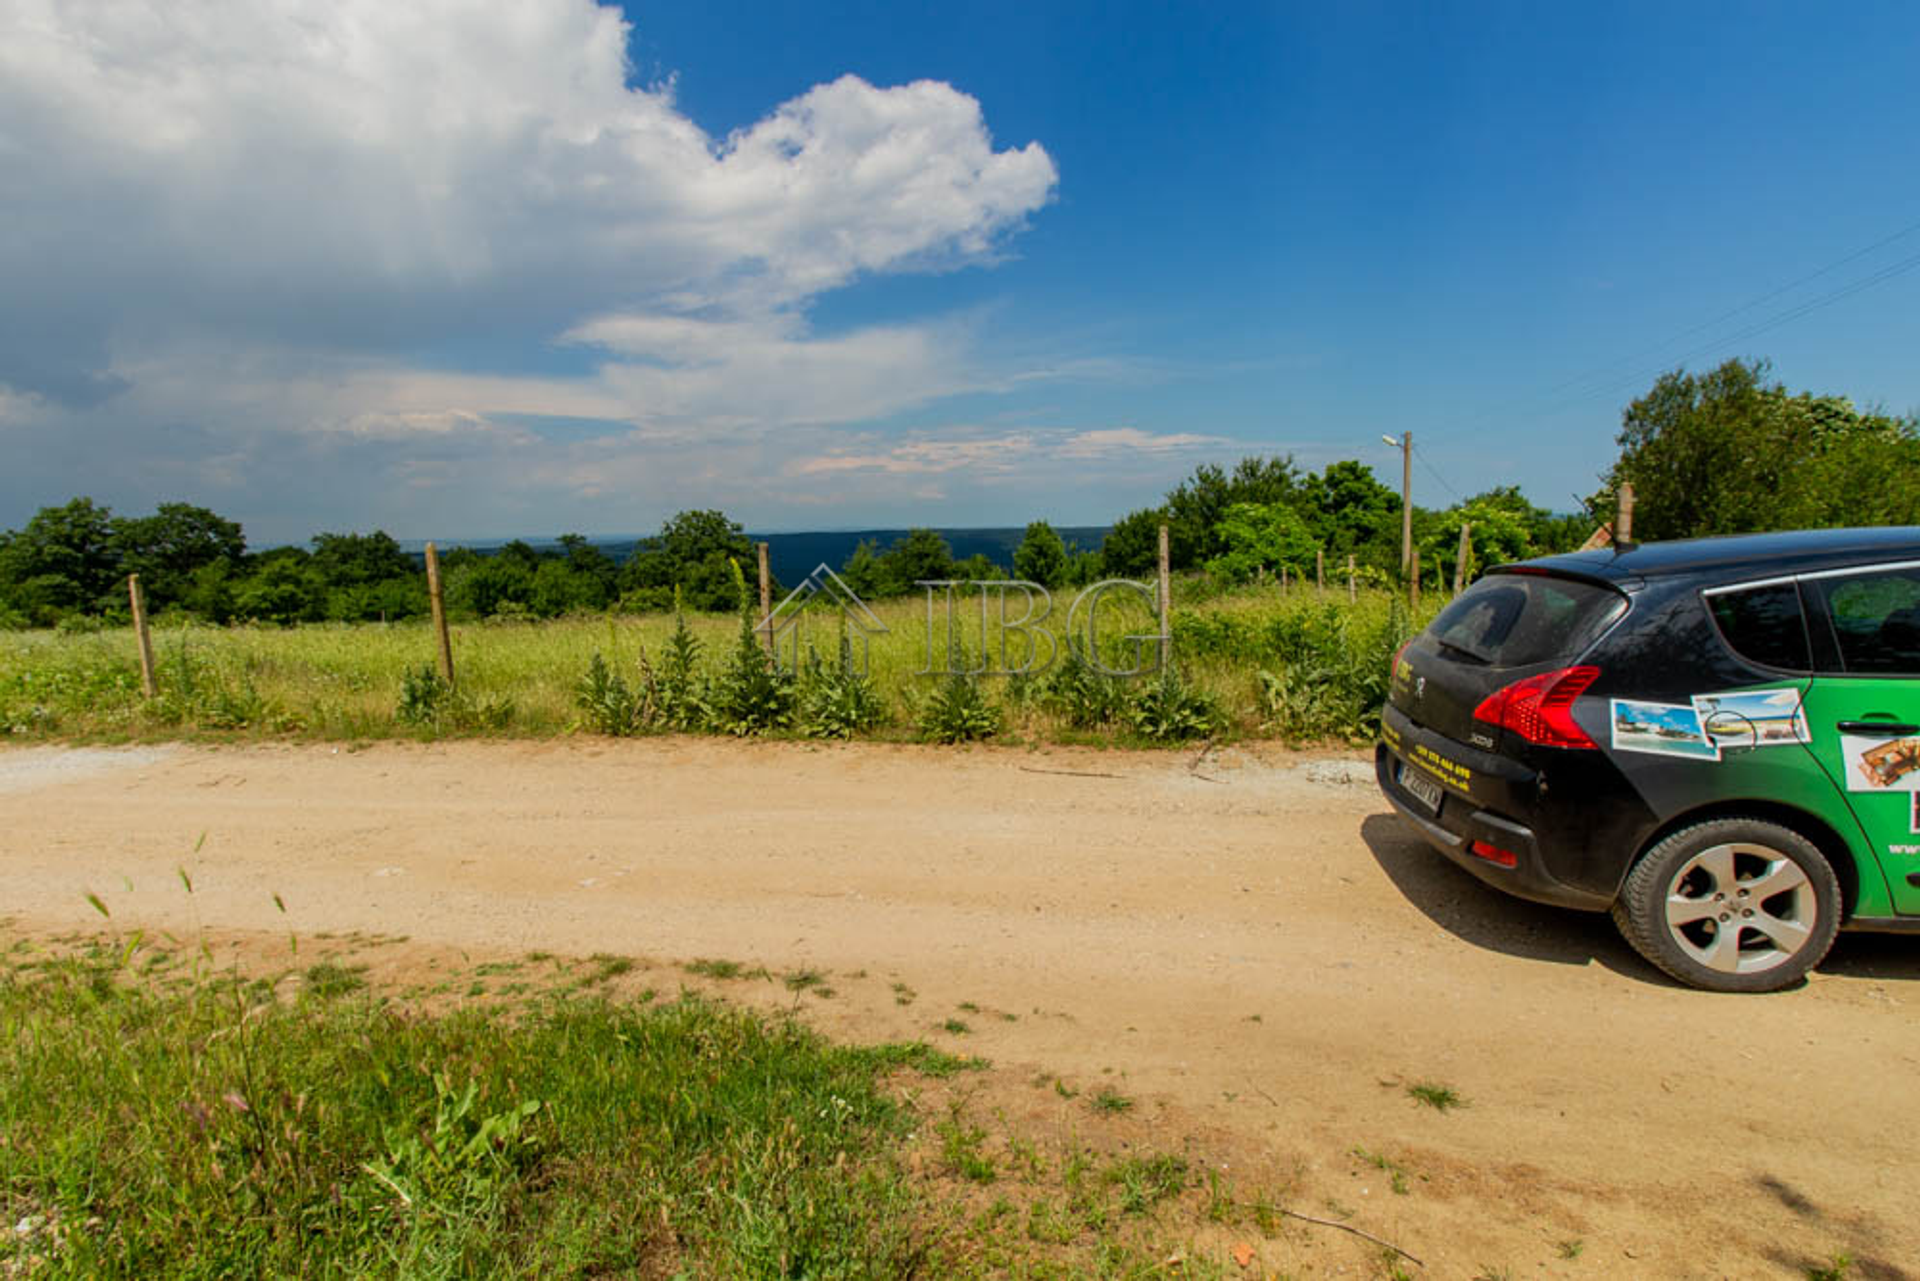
(1731, 905)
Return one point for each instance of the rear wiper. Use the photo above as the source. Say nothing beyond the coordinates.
(1481, 659)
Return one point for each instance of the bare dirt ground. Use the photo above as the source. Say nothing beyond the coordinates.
(1255, 950)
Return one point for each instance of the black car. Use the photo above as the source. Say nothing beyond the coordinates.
(1717, 740)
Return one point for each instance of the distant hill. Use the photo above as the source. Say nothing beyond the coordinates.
(793, 556)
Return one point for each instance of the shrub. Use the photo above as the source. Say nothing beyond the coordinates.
(835, 700)
(959, 711)
(430, 702)
(679, 699)
(1167, 709)
(423, 692)
(608, 705)
(1080, 693)
(751, 695)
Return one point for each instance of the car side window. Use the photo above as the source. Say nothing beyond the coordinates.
(1876, 620)
(1764, 625)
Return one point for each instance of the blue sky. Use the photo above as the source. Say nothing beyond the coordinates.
(524, 268)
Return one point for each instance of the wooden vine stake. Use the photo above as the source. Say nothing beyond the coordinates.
(439, 603)
(1320, 570)
(1166, 600)
(1460, 562)
(766, 597)
(138, 599)
(1623, 517)
(1353, 584)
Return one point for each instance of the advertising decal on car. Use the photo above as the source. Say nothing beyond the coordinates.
(1753, 718)
(1881, 764)
(1452, 773)
(1662, 729)
(1710, 724)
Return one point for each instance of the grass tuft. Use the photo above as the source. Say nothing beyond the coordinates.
(1441, 1098)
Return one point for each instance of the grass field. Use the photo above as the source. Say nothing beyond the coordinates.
(1299, 666)
(167, 1115)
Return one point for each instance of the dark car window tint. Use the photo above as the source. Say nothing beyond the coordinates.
(1876, 619)
(1513, 620)
(1764, 625)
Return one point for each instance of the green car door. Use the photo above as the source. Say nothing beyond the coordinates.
(1863, 713)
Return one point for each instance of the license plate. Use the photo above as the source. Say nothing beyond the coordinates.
(1422, 788)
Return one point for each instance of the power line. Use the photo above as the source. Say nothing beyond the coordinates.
(1786, 317)
(1612, 386)
(1742, 309)
(1418, 453)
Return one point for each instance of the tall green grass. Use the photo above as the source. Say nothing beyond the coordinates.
(217, 1129)
(1299, 666)
(160, 1116)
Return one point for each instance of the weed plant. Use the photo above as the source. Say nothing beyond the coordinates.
(1295, 666)
(212, 1127)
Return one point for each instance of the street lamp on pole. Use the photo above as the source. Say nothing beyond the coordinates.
(1405, 446)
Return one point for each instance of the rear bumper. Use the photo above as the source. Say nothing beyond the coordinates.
(1460, 822)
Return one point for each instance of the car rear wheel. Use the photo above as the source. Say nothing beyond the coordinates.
(1731, 905)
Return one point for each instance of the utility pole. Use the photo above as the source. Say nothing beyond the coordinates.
(1406, 498)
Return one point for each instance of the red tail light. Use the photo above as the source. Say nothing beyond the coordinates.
(1540, 708)
(1494, 854)
(1393, 668)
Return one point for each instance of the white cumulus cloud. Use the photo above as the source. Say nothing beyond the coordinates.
(254, 215)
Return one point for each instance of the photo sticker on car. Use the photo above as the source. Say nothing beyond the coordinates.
(1881, 764)
(1663, 729)
(1753, 718)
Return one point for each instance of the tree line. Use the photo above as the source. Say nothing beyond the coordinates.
(1726, 451)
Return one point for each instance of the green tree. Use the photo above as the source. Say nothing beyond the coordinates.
(168, 548)
(360, 560)
(1500, 528)
(919, 556)
(1197, 505)
(694, 551)
(1352, 513)
(283, 588)
(1261, 536)
(1132, 547)
(1041, 556)
(63, 560)
(863, 571)
(1729, 452)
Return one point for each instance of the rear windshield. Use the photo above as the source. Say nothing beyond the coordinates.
(1515, 620)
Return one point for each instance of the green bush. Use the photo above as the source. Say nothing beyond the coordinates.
(1081, 694)
(751, 694)
(429, 702)
(423, 694)
(1167, 709)
(608, 705)
(679, 693)
(836, 701)
(959, 711)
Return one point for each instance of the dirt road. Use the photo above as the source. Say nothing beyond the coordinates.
(1256, 947)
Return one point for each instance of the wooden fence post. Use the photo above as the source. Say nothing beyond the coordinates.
(1320, 570)
(1353, 587)
(766, 597)
(1166, 600)
(1283, 580)
(1623, 517)
(439, 604)
(1460, 563)
(138, 600)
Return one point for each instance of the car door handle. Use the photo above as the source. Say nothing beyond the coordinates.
(1885, 728)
